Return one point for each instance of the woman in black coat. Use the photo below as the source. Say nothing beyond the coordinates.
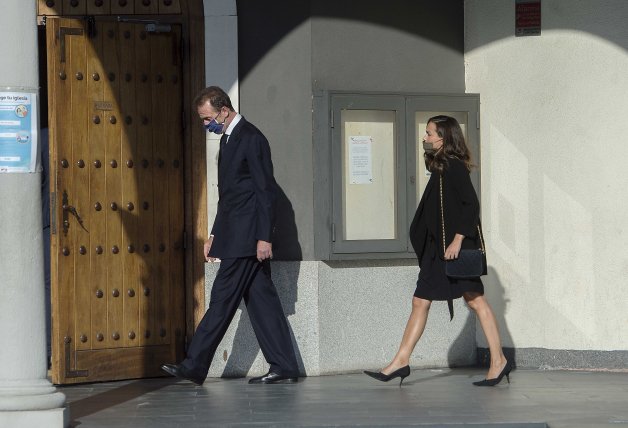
(448, 159)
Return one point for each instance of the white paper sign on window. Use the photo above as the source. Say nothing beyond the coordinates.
(360, 160)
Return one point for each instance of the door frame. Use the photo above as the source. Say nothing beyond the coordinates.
(195, 160)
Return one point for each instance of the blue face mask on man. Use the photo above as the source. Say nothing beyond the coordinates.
(215, 127)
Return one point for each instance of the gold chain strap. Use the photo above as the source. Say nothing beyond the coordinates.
(442, 212)
(481, 239)
(442, 220)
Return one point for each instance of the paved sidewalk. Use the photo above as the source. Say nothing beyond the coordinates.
(428, 398)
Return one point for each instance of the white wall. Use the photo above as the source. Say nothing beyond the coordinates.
(554, 129)
(221, 69)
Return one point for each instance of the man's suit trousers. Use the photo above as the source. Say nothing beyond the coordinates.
(236, 279)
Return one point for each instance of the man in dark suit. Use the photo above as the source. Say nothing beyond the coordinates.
(241, 237)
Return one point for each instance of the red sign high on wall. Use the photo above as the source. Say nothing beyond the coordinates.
(527, 18)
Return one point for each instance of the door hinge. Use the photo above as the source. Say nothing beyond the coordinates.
(185, 240)
(331, 118)
(333, 232)
(183, 124)
(67, 31)
(477, 121)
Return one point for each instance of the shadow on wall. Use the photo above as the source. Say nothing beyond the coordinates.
(286, 244)
(454, 357)
(286, 247)
(496, 295)
(400, 15)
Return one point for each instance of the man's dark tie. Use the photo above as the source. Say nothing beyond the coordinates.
(223, 143)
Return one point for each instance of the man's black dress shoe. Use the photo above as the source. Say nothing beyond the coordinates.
(271, 377)
(181, 373)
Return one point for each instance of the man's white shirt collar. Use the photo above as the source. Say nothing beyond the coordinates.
(233, 123)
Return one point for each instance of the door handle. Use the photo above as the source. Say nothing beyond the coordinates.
(67, 208)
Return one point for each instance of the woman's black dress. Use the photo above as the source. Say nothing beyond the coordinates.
(433, 283)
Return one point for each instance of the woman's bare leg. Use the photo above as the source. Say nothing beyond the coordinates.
(480, 305)
(411, 335)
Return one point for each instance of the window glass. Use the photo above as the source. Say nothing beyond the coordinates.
(369, 174)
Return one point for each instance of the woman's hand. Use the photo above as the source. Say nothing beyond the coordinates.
(453, 249)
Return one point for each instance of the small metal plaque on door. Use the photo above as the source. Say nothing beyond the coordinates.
(103, 105)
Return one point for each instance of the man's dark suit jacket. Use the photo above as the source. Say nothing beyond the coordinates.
(247, 192)
(461, 206)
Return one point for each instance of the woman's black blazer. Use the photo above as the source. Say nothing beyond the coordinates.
(461, 206)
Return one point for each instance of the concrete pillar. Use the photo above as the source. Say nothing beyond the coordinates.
(27, 398)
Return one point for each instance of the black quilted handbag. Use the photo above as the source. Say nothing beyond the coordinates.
(471, 263)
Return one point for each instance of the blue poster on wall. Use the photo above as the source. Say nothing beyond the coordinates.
(18, 130)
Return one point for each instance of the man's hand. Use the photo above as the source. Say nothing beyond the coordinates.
(264, 250)
(206, 247)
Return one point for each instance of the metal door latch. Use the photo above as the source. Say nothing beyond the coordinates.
(69, 209)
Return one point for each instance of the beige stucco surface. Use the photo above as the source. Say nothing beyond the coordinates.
(554, 130)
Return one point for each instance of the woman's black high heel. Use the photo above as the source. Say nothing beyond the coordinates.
(492, 382)
(403, 373)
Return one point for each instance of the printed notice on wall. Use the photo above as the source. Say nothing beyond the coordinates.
(360, 160)
(18, 131)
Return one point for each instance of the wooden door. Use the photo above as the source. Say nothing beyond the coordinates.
(115, 94)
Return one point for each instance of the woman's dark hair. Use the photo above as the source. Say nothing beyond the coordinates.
(216, 97)
(454, 145)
